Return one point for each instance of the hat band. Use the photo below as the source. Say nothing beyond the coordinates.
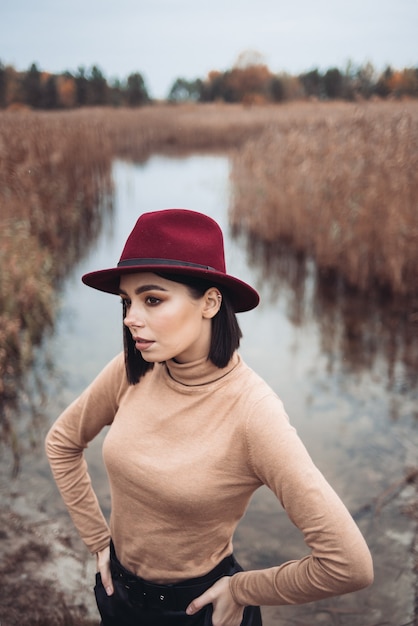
(136, 262)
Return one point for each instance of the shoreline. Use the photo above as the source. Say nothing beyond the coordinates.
(48, 574)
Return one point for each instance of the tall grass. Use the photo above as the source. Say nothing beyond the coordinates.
(136, 134)
(341, 189)
(54, 173)
(336, 181)
(54, 178)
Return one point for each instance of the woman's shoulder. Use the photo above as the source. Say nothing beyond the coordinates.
(254, 384)
(257, 399)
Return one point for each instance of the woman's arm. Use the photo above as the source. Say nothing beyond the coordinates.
(65, 444)
(339, 560)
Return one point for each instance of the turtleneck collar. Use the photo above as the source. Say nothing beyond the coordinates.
(200, 372)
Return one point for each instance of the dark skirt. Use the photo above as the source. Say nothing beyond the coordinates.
(136, 602)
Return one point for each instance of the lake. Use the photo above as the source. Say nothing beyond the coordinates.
(355, 411)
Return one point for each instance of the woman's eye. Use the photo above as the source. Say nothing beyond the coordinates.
(125, 302)
(152, 300)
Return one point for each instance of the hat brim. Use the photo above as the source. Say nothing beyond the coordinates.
(243, 297)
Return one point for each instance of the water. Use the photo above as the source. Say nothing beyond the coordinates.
(343, 413)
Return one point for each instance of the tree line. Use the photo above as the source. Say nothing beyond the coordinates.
(86, 87)
(256, 84)
(249, 81)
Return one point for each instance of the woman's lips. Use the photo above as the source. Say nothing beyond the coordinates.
(142, 344)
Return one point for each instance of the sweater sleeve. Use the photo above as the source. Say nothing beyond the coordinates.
(339, 560)
(65, 444)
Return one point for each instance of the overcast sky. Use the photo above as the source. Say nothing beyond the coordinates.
(166, 39)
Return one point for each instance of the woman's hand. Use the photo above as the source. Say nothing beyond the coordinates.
(226, 612)
(103, 566)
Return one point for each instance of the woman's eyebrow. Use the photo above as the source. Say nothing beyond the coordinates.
(144, 288)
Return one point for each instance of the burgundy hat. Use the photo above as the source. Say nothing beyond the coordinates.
(176, 241)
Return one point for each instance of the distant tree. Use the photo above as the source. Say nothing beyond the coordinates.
(184, 90)
(14, 87)
(365, 80)
(31, 86)
(212, 87)
(382, 85)
(239, 84)
(402, 82)
(410, 81)
(292, 87)
(97, 87)
(313, 84)
(415, 70)
(395, 83)
(3, 86)
(334, 83)
(50, 97)
(248, 81)
(249, 58)
(228, 87)
(81, 86)
(116, 93)
(351, 81)
(137, 94)
(66, 87)
(277, 90)
(253, 79)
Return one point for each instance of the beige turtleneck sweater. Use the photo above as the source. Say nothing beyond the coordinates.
(186, 448)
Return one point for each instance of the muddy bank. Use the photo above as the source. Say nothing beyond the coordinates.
(48, 575)
(43, 575)
(359, 425)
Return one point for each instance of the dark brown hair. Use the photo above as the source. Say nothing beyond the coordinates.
(225, 338)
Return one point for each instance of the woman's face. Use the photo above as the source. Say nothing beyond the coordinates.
(165, 321)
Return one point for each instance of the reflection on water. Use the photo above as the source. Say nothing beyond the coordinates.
(342, 366)
(59, 241)
(312, 339)
(358, 330)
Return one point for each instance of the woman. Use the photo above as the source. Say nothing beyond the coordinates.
(193, 433)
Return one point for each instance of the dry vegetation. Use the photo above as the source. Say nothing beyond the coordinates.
(54, 180)
(342, 189)
(54, 177)
(337, 181)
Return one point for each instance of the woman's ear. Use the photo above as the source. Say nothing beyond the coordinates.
(212, 302)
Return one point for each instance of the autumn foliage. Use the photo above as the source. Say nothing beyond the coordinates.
(249, 81)
(336, 183)
(42, 90)
(52, 195)
(341, 189)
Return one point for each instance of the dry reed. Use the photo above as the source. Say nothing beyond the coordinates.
(342, 189)
(338, 181)
(335, 181)
(54, 174)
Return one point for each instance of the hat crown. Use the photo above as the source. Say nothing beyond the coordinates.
(179, 242)
(177, 235)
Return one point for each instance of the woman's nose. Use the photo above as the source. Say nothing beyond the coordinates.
(133, 317)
